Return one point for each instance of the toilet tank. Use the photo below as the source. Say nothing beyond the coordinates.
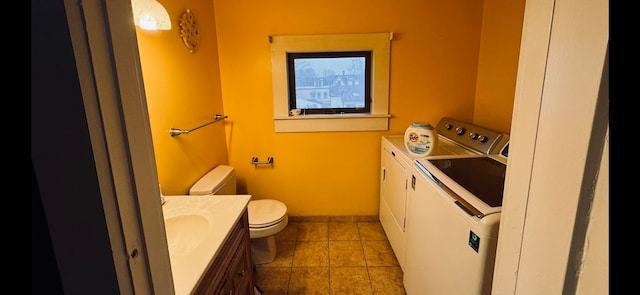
(219, 181)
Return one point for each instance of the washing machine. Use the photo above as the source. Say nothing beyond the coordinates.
(455, 138)
(454, 205)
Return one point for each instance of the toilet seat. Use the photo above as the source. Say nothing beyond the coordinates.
(265, 213)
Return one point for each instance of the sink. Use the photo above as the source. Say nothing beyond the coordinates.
(196, 227)
(185, 233)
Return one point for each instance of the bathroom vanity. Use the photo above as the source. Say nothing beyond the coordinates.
(231, 271)
(208, 242)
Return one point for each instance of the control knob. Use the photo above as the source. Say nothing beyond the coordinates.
(448, 126)
(460, 130)
(473, 135)
(482, 138)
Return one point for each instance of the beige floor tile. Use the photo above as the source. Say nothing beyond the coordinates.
(371, 231)
(343, 231)
(273, 280)
(349, 281)
(289, 233)
(346, 253)
(387, 280)
(339, 255)
(379, 253)
(284, 255)
(314, 253)
(309, 281)
(313, 231)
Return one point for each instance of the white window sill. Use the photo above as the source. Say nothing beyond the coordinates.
(321, 123)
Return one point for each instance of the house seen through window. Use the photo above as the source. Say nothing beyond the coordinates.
(330, 82)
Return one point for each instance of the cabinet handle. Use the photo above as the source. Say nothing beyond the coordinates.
(393, 154)
(413, 182)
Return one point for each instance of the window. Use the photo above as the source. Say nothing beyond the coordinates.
(329, 82)
(341, 82)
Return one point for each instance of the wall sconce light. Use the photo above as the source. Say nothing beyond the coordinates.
(150, 15)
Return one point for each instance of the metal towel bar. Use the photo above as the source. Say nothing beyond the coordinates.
(176, 131)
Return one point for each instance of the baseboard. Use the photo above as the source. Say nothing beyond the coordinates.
(369, 218)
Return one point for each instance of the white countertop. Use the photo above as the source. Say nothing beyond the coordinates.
(221, 213)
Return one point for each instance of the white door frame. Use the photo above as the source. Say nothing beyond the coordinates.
(107, 57)
(556, 146)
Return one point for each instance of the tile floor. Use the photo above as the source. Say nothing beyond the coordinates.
(331, 255)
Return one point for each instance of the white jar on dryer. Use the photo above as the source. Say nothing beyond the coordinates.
(420, 139)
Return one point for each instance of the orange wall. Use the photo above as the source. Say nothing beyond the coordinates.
(183, 91)
(498, 63)
(434, 71)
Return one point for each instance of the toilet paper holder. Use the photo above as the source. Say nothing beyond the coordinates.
(255, 161)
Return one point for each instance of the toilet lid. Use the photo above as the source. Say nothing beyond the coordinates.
(265, 212)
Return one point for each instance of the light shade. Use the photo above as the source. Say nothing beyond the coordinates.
(150, 15)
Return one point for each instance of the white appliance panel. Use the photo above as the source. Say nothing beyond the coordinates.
(395, 168)
(395, 234)
(395, 195)
(440, 258)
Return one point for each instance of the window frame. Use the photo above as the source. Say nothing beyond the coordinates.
(378, 117)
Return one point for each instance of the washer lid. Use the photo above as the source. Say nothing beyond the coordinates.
(265, 212)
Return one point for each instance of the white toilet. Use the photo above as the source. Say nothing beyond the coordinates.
(267, 217)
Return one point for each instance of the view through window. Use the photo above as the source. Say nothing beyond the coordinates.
(330, 82)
